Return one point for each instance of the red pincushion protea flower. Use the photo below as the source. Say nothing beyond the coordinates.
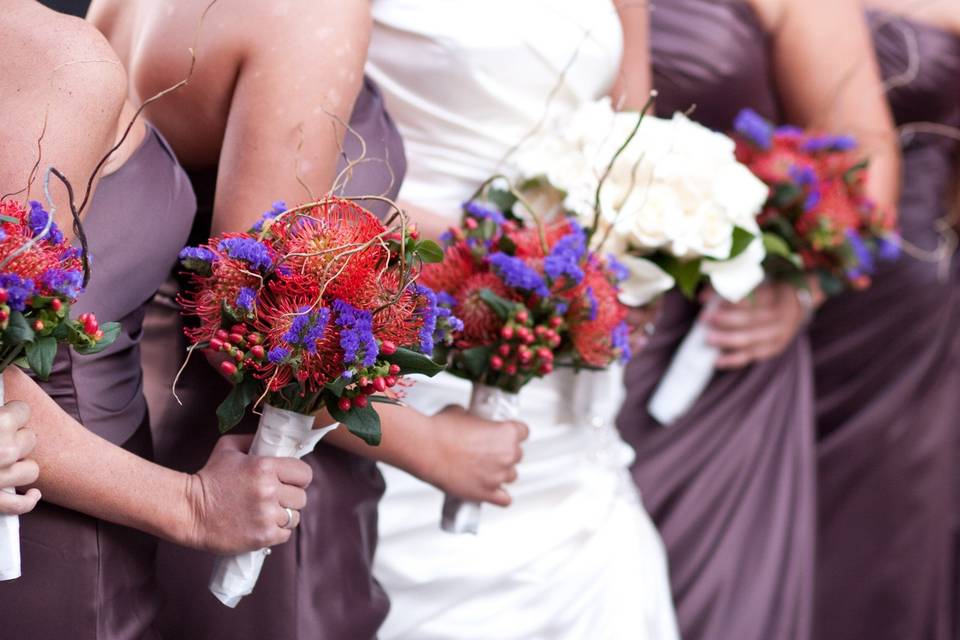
(594, 314)
(480, 323)
(458, 265)
(206, 301)
(529, 242)
(394, 317)
(327, 244)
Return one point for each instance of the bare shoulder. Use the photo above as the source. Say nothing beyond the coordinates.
(48, 56)
(306, 26)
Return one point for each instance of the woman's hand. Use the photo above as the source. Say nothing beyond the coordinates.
(473, 458)
(240, 501)
(16, 443)
(757, 328)
(642, 321)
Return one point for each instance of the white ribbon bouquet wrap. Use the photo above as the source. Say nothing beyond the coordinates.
(9, 532)
(489, 403)
(280, 434)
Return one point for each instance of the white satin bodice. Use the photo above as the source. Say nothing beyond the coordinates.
(467, 80)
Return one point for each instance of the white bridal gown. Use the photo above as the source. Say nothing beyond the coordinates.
(575, 556)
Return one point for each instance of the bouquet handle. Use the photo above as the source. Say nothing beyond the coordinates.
(688, 375)
(463, 516)
(280, 433)
(9, 531)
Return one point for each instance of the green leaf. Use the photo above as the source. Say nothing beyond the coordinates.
(18, 330)
(337, 386)
(362, 422)
(429, 251)
(501, 306)
(110, 332)
(385, 400)
(411, 362)
(234, 406)
(476, 361)
(40, 355)
(741, 240)
(686, 273)
(502, 199)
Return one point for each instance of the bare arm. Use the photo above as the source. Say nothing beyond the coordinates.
(285, 126)
(632, 87)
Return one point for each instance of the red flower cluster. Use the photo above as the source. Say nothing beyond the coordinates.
(818, 218)
(313, 307)
(529, 296)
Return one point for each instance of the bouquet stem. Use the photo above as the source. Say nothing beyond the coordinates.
(688, 375)
(281, 433)
(490, 403)
(9, 531)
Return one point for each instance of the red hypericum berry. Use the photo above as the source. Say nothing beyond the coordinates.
(55, 304)
(523, 333)
(528, 338)
(380, 385)
(511, 369)
(38, 325)
(470, 223)
(546, 368)
(509, 226)
(540, 330)
(344, 404)
(496, 363)
(364, 381)
(388, 347)
(258, 352)
(506, 333)
(504, 350)
(555, 341)
(556, 321)
(239, 328)
(228, 368)
(216, 344)
(222, 335)
(413, 232)
(394, 369)
(390, 380)
(545, 354)
(98, 335)
(525, 355)
(368, 390)
(236, 338)
(239, 355)
(360, 402)
(4, 315)
(254, 338)
(4, 296)
(523, 317)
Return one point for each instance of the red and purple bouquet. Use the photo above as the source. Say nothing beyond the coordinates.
(316, 307)
(41, 275)
(531, 296)
(818, 219)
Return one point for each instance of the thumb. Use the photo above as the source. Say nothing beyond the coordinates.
(239, 443)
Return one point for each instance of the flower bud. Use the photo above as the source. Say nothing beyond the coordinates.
(388, 348)
(391, 381)
(221, 334)
(379, 384)
(56, 304)
(504, 350)
(228, 368)
(496, 363)
(216, 344)
(523, 317)
(344, 404)
(394, 369)
(506, 333)
(38, 325)
(360, 402)
(258, 352)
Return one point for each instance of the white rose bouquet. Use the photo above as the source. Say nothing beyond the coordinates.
(669, 200)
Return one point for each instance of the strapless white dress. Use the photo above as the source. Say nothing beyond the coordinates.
(575, 556)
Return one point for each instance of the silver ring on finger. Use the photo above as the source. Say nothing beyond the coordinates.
(289, 523)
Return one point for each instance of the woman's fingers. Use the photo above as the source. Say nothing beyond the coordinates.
(19, 474)
(292, 497)
(16, 505)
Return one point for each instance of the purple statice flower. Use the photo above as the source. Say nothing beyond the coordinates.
(307, 328)
(618, 269)
(788, 131)
(276, 209)
(803, 175)
(71, 253)
(888, 247)
(65, 282)
(429, 312)
(620, 339)
(754, 128)
(19, 290)
(446, 238)
(251, 251)
(278, 354)
(246, 299)
(594, 306)
(478, 210)
(861, 251)
(815, 144)
(515, 273)
(356, 334)
(197, 258)
(565, 257)
(562, 308)
(38, 220)
(812, 200)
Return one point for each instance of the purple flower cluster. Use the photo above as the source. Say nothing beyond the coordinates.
(888, 247)
(482, 212)
(754, 128)
(66, 282)
(19, 290)
(620, 339)
(515, 273)
(276, 209)
(307, 328)
(38, 221)
(566, 255)
(278, 354)
(429, 312)
(356, 334)
(594, 306)
(251, 251)
(865, 263)
(246, 299)
(805, 176)
(618, 269)
(829, 143)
